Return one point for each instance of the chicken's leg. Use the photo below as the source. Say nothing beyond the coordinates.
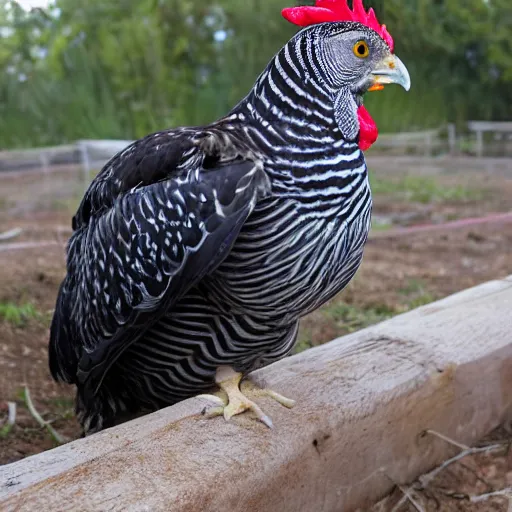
(234, 401)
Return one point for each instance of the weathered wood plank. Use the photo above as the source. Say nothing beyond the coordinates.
(490, 126)
(363, 402)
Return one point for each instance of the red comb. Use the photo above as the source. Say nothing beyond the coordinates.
(337, 10)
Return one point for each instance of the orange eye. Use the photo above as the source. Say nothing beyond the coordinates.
(361, 49)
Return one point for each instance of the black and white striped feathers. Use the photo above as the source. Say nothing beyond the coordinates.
(201, 247)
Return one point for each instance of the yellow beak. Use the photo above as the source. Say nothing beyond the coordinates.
(391, 70)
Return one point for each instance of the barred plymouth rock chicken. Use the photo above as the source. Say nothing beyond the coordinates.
(196, 250)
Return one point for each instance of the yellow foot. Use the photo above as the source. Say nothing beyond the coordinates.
(234, 401)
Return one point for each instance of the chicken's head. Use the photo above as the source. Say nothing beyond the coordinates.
(356, 56)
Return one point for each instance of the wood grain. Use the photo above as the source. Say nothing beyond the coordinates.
(363, 402)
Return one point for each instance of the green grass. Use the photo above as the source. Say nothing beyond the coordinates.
(341, 318)
(422, 189)
(303, 342)
(415, 294)
(69, 205)
(352, 318)
(378, 226)
(18, 315)
(62, 407)
(4, 203)
(345, 319)
(5, 430)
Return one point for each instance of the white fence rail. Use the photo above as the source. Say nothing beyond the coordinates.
(92, 154)
(41, 158)
(480, 138)
(51, 179)
(499, 134)
(426, 143)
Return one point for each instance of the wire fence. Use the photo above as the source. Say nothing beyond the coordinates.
(51, 181)
(40, 190)
(45, 180)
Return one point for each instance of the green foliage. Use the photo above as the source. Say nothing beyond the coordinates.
(342, 318)
(421, 189)
(62, 407)
(353, 318)
(17, 315)
(124, 68)
(380, 225)
(5, 430)
(462, 49)
(415, 294)
(304, 342)
(395, 110)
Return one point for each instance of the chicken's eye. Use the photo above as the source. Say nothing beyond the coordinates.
(361, 49)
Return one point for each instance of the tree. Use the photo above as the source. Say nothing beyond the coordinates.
(124, 68)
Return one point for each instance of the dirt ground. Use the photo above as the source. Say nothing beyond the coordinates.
(479, 482)
(398, 273)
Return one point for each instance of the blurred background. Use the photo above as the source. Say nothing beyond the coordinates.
(80, 79)
(118, 69)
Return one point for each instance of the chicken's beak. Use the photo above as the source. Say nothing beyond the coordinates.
(391, 70)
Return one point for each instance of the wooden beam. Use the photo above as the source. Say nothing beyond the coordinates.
(490, 126)
(363, 402)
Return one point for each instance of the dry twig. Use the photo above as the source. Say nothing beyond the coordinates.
(407, 496)
(11, 233)
(407, 493)
(427, 478)
(447, 439)
(11, 419)
(30, 406)
(507, 493)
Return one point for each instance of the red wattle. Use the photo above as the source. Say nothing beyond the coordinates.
(368, 131)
